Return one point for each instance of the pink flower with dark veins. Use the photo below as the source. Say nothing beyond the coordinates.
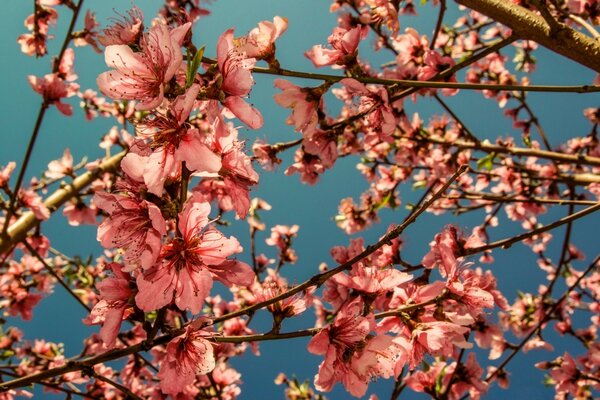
(187, 356)
(352, 355)
(112, 309)
(188, 263)
(134, 225)
(173, 141)
(143, 75)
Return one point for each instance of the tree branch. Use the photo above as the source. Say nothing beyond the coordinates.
(18, 230)
(566, 41)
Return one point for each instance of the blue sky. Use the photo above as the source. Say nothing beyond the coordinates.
(312, 207)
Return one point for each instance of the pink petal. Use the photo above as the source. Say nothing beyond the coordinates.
(244, 111)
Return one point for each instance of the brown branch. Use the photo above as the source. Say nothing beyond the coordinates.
(510, 199)
(18, 230)
(521, 151)
(117, 386)
(438, 24)
(543, 320)
(322, 277)
(565, 41)
(506, 243)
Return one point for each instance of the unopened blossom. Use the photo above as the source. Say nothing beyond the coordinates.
(6, 172)
(344, 43)
(188, 263)
(187, 355)
(114, 306)
(259, 43)
(143, 75)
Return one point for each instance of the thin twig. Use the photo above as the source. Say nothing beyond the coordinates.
(506, 243)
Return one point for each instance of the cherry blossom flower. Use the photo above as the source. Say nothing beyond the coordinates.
(173, 141)
(53, 89)
(259, 43)
(114, 305)
(134, 225)
(304, 103)
(344, 43)
(187, 356)
(126, 31)
(60, 168)
(185, 269)
(143, 75)
(235, 69)
(352, 356)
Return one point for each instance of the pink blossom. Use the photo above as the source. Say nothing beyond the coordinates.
(259, 43)
(235, 68)
(172, 142)
(114, 305)
(304, 103)
(351, 355)
(237, 171)
(135, 225)
(143, 75)
(53, 89)
(88, 35)
(31, 199)
(126, 31)
(185, 269)
(60, 168)
(78, 213)
(344, 43)
(187, 355)
(439, 338)
(375, 101)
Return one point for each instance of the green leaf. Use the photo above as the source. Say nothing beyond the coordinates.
(486, 162)
(193, 67)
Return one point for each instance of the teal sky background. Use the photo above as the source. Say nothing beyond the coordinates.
(58, 317)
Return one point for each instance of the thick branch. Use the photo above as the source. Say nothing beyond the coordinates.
(18, 230)
(565, 41)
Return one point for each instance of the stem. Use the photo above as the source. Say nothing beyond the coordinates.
(566, 41)
(545, 318)
(30, 145)
(319, 279)
(56, 276)
(18, 230)
(438, 24)
(506, 243)
(117, 386)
